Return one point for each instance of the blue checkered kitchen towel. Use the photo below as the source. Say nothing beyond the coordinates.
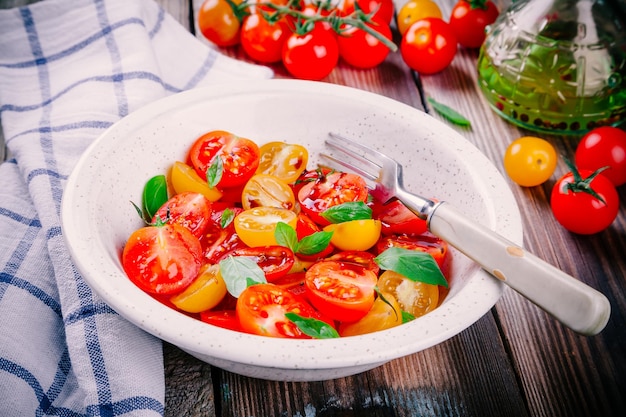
(68, 70)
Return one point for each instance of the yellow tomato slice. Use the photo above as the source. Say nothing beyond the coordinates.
(204, 293)
(417, 298)
(256, 226)
(354, 234)
(283, 160)
(264, 190)
(380, 317)
(184, 178)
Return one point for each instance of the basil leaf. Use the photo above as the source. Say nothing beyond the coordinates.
(285, 235)
(314, 243)
(407, 317)
(449, 113)
(154, 196)
(413, 264)
(227, 218)
(215, 171)
(312, 327)
(239, 272)
(353, 210)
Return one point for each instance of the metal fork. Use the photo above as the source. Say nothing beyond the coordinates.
(570, 301)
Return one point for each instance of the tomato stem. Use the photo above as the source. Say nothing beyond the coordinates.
(581, 184)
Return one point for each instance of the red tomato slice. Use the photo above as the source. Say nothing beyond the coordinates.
(217, 240)
(306, 227)
(396, 218)
(365, 259)
(336, 188)
(293, 282)
(189, 209)
(240, 157)
(275, 261)
(226, 319)
(425, 243)
(344, 291)
(162, 259)
(261, 310)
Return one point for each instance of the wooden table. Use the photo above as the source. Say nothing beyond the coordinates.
(515, 361)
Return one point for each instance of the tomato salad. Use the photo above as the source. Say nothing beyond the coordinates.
(246, 237)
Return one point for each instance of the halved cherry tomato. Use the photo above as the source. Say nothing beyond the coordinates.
(354, 234)
(425, 243)
(365, 259)
(190, 210)
(204, 293)
(185, 178)
(306, 227)
(261, 310)
(218, 240)
(256, 226)
(417, 298)
(395, 218)
(283, 160)
(327, 191)
(292, 282)
(263, 40)
(218, 22)
(240, 157)
(162, 259)
(226, 319)
(275, 261)
(264, 190)
(383, 315)
(343, 291)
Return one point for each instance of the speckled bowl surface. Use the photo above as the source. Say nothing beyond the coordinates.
(97, 216)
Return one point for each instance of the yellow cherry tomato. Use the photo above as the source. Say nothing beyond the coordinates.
(530, 161)
(256, 226)
(415, 10)
(204, 293)
(383, 315)
(184, 178)
(283, 160)
(417, 298)
(355, 234)
(267, 191)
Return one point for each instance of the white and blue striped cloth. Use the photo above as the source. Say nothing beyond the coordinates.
(68, 70)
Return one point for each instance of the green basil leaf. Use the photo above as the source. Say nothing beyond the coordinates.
(407, 317)
(239, 272)
(154, 196)
(449, 113)
(285, 235)
(227, 218)
(313, 327)
(314, 243)
(215, 171)
(413, 264)
(353, 210)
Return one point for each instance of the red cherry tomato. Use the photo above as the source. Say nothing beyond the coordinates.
(344, 291)
(604, 146)
(396, 218)
(468, 21)
(218, 240)
(263, 41)
(429, 45)
(361, 49)
(240, 157)
(226, 319)
(275, 261)
(190, 210)
(383, 8)
(306, 227)
(579, 211)
(311, 56)
(218, 23)
(425, 243)
(162, 259)
(336, 188)
(365, 259)
(261, 310)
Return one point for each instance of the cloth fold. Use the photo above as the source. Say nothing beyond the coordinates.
(69, 69)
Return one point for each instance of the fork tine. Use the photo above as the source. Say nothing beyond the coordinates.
(339, 163)
(337, 141)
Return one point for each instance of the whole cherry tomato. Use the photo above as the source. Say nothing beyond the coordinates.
(219, 23)
(428, 46)
(604, 147)
(575, 206)
(415, 10)
(263, 40)
(530, 161)
(469, 20)
(311, 56)
(383, 8)
(361, 49)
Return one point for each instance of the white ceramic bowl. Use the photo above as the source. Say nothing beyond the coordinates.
(98, 218)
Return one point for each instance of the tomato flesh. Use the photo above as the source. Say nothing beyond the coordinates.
(275, 261)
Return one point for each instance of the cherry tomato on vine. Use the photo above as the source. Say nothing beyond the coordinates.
(604, 146)
(263, 40)
(578, 210)
(239, 157)
(219, 23)
(415, 10)
(361, 49)
(190, 210)
(428, 46)
(469, 20)
(311, 56)
(383, 8)
(530, 161)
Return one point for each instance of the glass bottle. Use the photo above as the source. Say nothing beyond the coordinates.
(557, 66)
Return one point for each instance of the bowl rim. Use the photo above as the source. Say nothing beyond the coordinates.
(299, 354)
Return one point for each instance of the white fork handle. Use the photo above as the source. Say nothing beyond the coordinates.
(570, 301)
